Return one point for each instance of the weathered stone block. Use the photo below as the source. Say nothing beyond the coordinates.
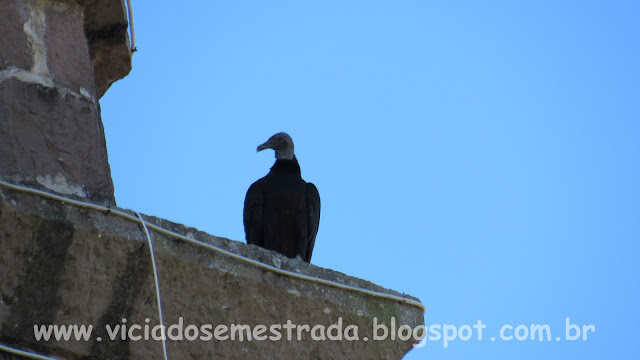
(67, 49)
(14, 47)
(53, 139)
(111, 63)
(106, 29)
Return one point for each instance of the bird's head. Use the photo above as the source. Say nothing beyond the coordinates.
(282, 144)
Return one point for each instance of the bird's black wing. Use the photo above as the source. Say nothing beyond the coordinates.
(252, 215)
(313, 218)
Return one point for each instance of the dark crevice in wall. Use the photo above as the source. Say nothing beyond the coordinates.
(37, 300)
(127, 287)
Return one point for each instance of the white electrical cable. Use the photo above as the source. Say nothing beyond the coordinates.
(159, 229)
(157, 283)
(133, 34)
(25, 353)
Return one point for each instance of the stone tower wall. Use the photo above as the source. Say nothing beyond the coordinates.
(56, 59)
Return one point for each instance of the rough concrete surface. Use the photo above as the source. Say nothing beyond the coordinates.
(14, 49)
(62, 264)
(68, 52)
(53, 139)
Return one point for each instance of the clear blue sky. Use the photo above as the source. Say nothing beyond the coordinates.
(482, 156)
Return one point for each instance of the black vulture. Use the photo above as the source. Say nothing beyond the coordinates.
(282, 211)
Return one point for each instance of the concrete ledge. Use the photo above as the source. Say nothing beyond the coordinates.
(63, 264)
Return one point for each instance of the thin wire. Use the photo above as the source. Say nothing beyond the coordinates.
(133, 34)
(25, 353)
(159, 229)
(157, 283)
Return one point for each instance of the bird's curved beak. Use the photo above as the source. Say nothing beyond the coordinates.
(266, 145)
(263, 146)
